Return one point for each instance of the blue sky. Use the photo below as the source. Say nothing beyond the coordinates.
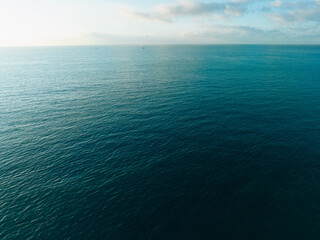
(91, 22)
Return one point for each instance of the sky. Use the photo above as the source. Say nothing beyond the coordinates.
(102, 22)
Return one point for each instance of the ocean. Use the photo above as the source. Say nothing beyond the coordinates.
(160, 142)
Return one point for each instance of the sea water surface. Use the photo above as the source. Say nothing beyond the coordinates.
(160, 142)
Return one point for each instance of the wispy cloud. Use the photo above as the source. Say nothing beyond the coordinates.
(294, 12)
(219, 33)
(234, 34)
(276, 3)
(170, 12)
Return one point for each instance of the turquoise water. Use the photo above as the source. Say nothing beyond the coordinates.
(161, 142)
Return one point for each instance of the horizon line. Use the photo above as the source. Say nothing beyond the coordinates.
(163, 44)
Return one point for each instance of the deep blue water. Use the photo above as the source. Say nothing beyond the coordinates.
(161, 142)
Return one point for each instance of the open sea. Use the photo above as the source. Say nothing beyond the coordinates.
(160, 142)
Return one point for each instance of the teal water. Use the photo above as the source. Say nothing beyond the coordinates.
(161, 142)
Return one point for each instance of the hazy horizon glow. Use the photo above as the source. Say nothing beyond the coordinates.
(95, 22)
